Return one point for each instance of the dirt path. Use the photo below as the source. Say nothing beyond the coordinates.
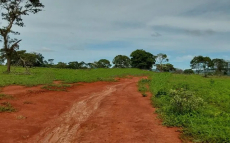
(113, 112)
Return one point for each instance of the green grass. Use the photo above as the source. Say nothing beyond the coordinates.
(48, 75)
(4, 96)
(56, 87)
(6, 107)
(143, 86)
(208, 122)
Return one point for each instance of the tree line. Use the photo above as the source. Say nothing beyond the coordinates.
(138, 59)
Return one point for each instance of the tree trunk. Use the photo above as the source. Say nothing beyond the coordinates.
(8, 64)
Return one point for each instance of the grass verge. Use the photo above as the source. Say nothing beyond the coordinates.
(199, 105)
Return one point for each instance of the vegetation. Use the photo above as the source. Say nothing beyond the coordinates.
(6, 107)
(188, 71)
(199, 105)
(142, 59)
(121, 61)
(48, 75)
(143, 86)
(12, 12)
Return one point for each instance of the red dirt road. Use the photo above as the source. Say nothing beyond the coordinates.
(111, 112)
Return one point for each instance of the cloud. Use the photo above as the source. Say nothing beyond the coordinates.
(44, 49)
(156, 34)
(192, 23)
(200, 32)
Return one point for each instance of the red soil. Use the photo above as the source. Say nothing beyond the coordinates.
(99, 112)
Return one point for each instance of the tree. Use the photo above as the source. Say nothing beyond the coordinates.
(61, 65)
(103, 63)
(77, 65)
(165, 67)
(142, 59)
(51, 61)
(121, 61)
(160, 59)
(220, 65)
(12, 12)
(188, 71)
(201, 63)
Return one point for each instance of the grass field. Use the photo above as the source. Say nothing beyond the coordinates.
(48, 75)
(201, 106)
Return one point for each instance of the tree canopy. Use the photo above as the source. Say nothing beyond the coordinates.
(201, 63)
(121, 61)
(103, 63)
(160, 59)
(142, 59)
(12, 12)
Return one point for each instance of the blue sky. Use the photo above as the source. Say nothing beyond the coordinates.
(90, 30)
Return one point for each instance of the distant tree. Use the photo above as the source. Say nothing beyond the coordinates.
(160, 59)
(178, 71)
(188, 71)
(61, 65)
(142, 59)
(103, 63)
(201, 63)
(165, 67)
(220, 65)
(121, 61)
(22, 58)
(77, 65)
(91, 65)
(51, 61)
(12, 12)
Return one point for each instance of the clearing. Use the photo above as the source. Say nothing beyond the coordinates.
(87, 112)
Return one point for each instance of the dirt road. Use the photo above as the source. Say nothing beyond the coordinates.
(112, 112)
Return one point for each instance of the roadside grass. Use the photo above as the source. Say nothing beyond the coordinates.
(56, 87)
(143, 86)
(4, 96)
(44, 76)
(6, 107)
(200, 106)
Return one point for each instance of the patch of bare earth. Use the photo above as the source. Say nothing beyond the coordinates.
(113, 112)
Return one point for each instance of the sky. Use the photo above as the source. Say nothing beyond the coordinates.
(90, 30)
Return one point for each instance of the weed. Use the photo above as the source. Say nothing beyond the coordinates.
(56, 87)
(4, 96)
(144, 94)
(6, 107)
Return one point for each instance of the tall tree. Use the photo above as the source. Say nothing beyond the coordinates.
(160, 60)
(103, 63)
(201, 63)
(12, 12)
(121, 61)
(142, 59)
(220, 65)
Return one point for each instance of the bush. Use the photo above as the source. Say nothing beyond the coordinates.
(188, 71)
(184, 101)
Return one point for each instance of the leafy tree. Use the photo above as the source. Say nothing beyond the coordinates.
(188, 71)
(61, 65)
(51, 61)
(142, 59)
(103, 63)
(12, 12)
(201, 63)
(121, 61)
(165, 67)
(220, 65)
(160, 59)
(26, 59)
(77, 65)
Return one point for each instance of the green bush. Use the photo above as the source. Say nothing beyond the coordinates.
(184, 101)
